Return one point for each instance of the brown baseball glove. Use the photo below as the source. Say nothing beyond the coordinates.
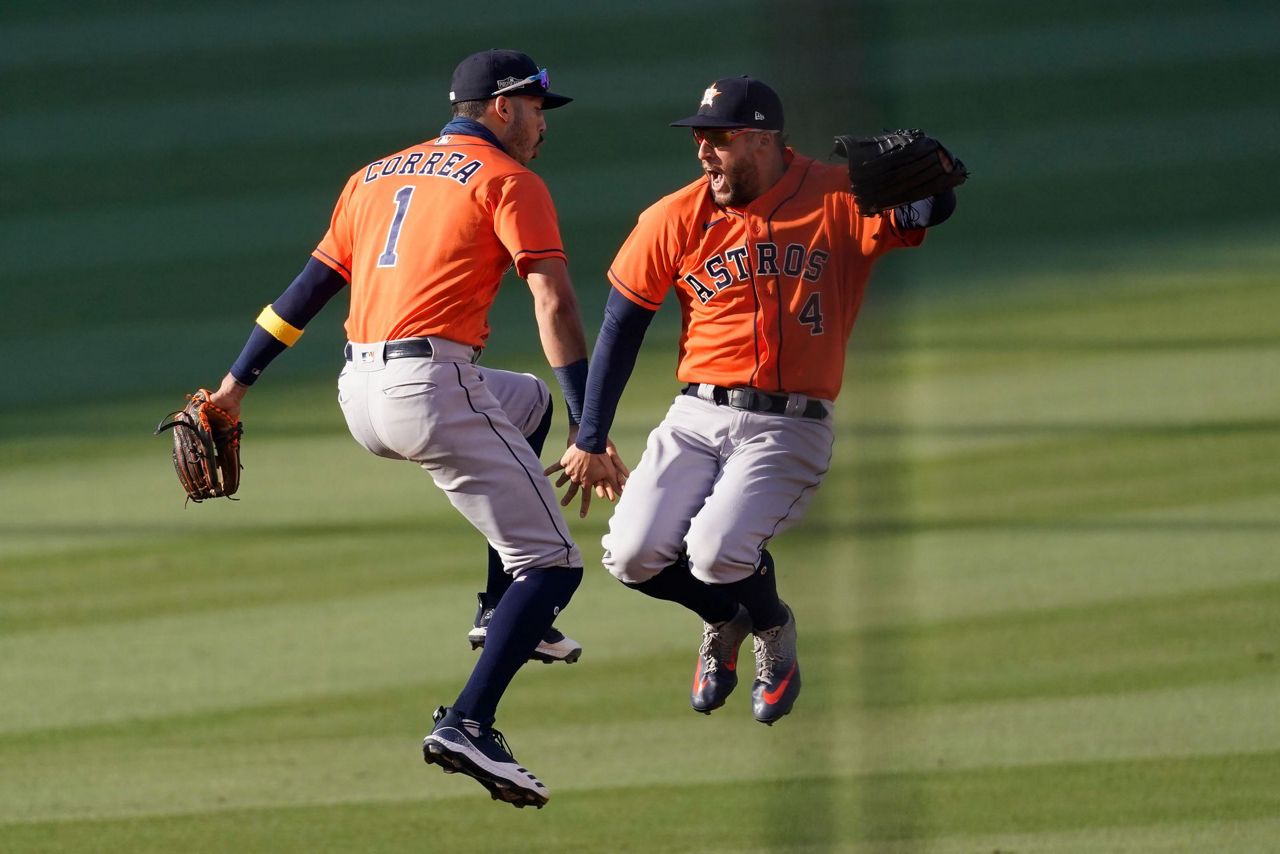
(206, 448)
(897, 168)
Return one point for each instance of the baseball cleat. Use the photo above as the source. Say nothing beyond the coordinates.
(553, 647)
(715, 673)
(461, 746)
(777, 671)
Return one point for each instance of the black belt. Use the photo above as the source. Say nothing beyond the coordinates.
(752, 400)
(410, 348)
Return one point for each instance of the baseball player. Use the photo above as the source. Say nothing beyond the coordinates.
(423, 237)
(769, 256)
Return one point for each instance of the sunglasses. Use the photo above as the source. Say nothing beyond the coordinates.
(720, 137)
(541, 78)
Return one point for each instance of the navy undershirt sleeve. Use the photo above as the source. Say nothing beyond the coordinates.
(612, 362)
(315, 286)
(573, 382)
(311, 290)
(926, 213)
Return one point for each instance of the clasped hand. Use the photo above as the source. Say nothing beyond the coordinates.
(605, 474)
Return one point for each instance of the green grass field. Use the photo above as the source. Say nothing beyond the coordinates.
(1038, 596)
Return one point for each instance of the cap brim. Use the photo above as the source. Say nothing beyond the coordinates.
(550, 100)
(706, 122)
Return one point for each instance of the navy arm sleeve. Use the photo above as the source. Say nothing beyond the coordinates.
(612, 362)
(311, 290)
(573, 382)
(926, 213)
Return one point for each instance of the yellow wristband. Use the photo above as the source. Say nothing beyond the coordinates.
(279, 328)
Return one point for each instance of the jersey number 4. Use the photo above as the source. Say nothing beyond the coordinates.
(811, 313)
(388, 256)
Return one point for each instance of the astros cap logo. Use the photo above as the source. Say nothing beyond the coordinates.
(709, 95)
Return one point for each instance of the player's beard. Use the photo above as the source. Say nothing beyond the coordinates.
(739, 186)
(521, 145)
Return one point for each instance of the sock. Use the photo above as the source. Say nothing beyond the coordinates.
(677, 584)
(758, 593)
(519, 622)
(498, 579)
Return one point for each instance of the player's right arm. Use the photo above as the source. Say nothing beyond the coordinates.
(614, 358)
(555, 308)
(640, 277)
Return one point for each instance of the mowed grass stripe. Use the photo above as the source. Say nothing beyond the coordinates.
(1006, 568)
(1157, 309)
(1123, 645)
(171, 664)
(690, 816)
(153, 574)
(1098, 475)
(645, 692)
(572, 754)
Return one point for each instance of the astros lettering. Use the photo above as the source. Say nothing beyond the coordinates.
(729, 266)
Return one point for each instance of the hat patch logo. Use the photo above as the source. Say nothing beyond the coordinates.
(507, 81)
(709, 95)
(759, 116)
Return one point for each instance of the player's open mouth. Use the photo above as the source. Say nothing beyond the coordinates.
(717, 179)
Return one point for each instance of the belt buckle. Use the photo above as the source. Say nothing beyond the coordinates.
(742, 397)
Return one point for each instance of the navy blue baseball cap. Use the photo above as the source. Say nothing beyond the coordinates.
(737, 102)
(495, 72)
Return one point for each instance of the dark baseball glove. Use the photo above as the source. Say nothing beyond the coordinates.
(206, 448)
(897, 168)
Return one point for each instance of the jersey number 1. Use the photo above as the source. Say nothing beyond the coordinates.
(388, 256)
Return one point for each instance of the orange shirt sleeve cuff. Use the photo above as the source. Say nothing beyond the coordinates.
(525, 257)
(333, 263)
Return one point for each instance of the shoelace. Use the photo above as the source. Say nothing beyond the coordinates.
(767, 657)
(716, 645)
(475, 730)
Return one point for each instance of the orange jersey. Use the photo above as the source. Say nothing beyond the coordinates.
(425, 235)
(768, 293)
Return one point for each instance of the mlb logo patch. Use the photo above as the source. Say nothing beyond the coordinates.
(366, 357)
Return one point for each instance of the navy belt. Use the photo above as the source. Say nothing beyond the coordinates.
(753, 400)
(410, 348)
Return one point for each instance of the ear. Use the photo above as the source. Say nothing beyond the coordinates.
(503, 107)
